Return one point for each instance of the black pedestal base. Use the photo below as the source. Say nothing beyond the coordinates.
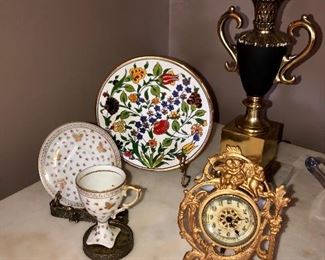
(76, 215)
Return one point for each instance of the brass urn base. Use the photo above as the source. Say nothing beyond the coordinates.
(260, 148)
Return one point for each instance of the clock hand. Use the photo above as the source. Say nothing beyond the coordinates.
(232, 226)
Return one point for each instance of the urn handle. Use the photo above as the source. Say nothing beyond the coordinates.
(289, 61)
(231, 47)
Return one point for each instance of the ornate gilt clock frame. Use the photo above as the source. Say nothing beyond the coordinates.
(232, 173)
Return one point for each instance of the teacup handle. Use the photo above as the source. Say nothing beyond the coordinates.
(124, 194)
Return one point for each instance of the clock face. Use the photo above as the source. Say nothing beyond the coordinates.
(230, 220)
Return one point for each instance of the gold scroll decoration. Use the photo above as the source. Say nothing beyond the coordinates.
(230, 172)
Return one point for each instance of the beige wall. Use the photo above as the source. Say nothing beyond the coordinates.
(301, 108)
(54, 54)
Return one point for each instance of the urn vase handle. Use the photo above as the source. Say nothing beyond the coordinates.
(290, 61)
(230, 47)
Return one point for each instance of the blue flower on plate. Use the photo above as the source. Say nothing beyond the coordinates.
(175, 93)
(164, 104)
(188, 89)
(179, 87)
(158, 115)
(140, 101)
(143, 118)
(196, 137)
(177, 102)
(152, 120)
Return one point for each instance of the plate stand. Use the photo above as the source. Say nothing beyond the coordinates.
(123, 244)
(76, 215)
(183, 167)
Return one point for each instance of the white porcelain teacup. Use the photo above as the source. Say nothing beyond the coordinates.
(101, 190)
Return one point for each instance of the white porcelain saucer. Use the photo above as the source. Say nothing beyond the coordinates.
(70, 149)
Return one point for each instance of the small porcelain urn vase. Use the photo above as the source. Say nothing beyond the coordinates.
(102, 190)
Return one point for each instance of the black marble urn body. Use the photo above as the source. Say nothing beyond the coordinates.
(261, 58)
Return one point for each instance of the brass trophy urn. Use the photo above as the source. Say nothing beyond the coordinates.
(262, 60)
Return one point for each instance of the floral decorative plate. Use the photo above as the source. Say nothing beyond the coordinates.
(70, 149)
(156, 109)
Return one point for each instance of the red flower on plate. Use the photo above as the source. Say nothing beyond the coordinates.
(169, 78)
(128, 154)
(160, 127)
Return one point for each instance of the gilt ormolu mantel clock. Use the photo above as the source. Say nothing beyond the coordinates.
(231, 213)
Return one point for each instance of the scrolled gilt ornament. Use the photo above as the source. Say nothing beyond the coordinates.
(232, 170)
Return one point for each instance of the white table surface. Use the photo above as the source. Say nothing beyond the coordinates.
(28, 231)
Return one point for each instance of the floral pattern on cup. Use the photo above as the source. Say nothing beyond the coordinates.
(102, 190)
(102, 205)
(156, 110)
